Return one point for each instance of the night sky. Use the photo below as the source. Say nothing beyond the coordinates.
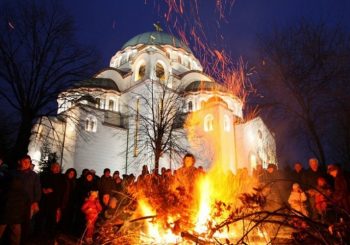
(108, 24)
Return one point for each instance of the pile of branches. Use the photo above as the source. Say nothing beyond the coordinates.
(252, 221)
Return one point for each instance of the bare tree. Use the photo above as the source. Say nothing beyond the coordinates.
(299, 66)
(158, 121)
(39, 57)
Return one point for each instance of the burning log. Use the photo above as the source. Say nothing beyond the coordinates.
(188, 236)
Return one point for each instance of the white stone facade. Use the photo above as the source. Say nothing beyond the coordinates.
(96, 123)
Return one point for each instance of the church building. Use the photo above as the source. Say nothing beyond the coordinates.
(102, 122)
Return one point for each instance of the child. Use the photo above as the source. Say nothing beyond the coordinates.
(322, 195)
(91, 208)
(297, 199)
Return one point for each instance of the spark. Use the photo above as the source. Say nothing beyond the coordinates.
(11, 25)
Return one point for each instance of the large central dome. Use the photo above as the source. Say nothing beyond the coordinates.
(156, 38)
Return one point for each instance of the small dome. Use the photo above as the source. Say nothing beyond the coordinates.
(205, 86)
(156, 38)
(104, 83)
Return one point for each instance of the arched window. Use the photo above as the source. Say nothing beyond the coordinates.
(208, 123)
(102, 104)
(179, 59)
(160, 72)
(91, 124)
(227, 124)
(111, 105)
(140, 70)
(190, 106)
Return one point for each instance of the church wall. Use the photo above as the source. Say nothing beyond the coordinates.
(104, 148)
(254, 144)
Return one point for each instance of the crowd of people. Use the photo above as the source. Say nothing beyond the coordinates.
(40, 205)
(315, 192)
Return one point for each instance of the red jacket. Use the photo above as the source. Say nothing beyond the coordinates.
(91, 208)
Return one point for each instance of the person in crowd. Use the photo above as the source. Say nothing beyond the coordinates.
(322, 197)
(30, 181)
(14, 210)
(117, 181)
(259, 174)
(187, 174)
(82, 177)
(168, 179)
(110, 212)
(83, 189)
(144, 174)
(311, 176)
(69, 200)
(91, 208)
(162, 171)
(298, 199)
(341, 191)
(201, 170)
(105, 186)
(52, 201)
(118, 185)
(96, 177)
(298, 174)
(272, 188)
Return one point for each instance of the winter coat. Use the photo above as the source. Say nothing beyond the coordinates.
(83, 189)
(69, 194)
(311, 178)
(91, 209)
(57, 183)
(297, 201)
(298, 177)
(31, 183)
(322, 198)
(14, 204)
(105, 185)
(341, 192)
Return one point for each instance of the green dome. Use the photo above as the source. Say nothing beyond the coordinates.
(156, 38)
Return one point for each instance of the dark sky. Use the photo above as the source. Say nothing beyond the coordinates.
(108, 24)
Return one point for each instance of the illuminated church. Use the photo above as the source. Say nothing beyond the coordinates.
(97, 119)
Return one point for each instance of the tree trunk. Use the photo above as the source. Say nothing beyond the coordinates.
(318, 143)
(23, 136)
(156, 162)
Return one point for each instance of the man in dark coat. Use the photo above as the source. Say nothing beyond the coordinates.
(341, 192)
(273, 188)
(53, 189)
(14, 209)
(30, 181)
(311, 176)
(298, 175)
(105, 186)
(313, 173)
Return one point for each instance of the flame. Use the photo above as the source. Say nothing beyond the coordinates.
(203, 215)
(218, 185)
(154, 232)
